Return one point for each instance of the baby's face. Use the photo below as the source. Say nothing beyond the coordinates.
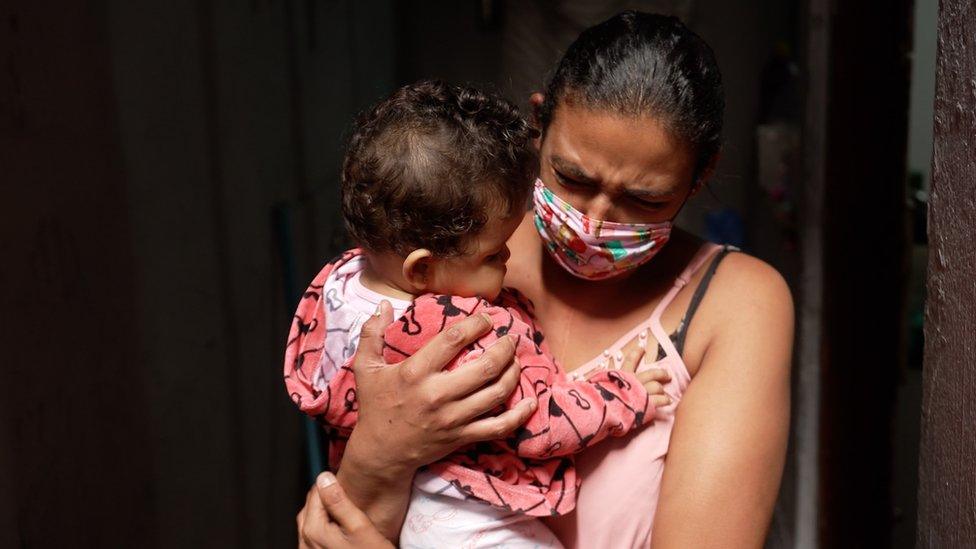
(481, 271)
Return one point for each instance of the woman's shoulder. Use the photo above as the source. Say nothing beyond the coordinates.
(747, 302)
(742, 279)
(738, 277)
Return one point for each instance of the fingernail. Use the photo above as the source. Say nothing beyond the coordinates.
(670, 400)
(325, 480)
(377, 311)
(486, 318)
(532, 403)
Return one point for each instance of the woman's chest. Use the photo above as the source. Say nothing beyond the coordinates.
(576, 335)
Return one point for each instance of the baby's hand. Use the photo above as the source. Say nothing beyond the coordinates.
(628, 359)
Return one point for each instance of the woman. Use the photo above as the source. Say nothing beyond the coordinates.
(631, 127)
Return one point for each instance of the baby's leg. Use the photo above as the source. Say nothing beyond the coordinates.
(435, 521)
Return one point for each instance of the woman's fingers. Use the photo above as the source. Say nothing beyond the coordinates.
(314, 527)
(443, 347)
(369, 353)
(499, 426)
(338, 506)
(485, 399)
(466, 379)
(330, 520)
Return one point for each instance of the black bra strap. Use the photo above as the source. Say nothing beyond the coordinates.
(696, 298)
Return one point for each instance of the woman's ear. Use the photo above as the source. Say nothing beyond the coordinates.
(535, 101)
(417, 269)
(706, 173)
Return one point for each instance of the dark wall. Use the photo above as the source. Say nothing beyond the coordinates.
(167, 185)
(76, 446)
(864, 268)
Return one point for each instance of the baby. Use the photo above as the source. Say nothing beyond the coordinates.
(435, 180)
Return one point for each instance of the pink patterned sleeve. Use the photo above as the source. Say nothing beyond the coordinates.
(333, 402)
(572, 415)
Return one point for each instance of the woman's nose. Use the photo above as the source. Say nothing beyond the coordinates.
(599, 207)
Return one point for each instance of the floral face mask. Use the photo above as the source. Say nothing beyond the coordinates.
(590, 248)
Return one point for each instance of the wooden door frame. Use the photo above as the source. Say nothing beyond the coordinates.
(947, 474)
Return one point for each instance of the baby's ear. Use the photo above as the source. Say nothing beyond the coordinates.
(417, 269)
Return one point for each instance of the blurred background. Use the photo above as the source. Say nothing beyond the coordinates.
(168, 174)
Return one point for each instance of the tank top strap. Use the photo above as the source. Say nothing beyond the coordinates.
(701, 257)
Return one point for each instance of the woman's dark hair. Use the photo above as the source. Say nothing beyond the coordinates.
(644, 64)
(428, 166)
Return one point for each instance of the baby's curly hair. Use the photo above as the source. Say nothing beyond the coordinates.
(428, 166)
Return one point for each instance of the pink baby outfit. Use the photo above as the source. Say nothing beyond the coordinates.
(622, 477)
(529, 473)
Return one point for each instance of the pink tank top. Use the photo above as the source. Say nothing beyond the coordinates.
(622, 476)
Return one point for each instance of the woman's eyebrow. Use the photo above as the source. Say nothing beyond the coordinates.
(571, 169)
(649, 193)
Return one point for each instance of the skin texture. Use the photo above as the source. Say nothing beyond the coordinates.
(728, 445)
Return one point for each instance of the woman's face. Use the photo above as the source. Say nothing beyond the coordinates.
(616, 168)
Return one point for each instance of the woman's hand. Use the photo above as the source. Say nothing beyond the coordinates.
(419, 412)
(415, 412)
(330, 520)
(628, 359)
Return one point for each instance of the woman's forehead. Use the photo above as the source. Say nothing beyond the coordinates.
(613, 148)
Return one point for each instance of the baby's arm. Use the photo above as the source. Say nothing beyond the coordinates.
(574, 415)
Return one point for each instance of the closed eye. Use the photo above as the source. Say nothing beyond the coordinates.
(649, 204)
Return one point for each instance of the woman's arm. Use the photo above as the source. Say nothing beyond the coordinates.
(728, 446)
(415, 413)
